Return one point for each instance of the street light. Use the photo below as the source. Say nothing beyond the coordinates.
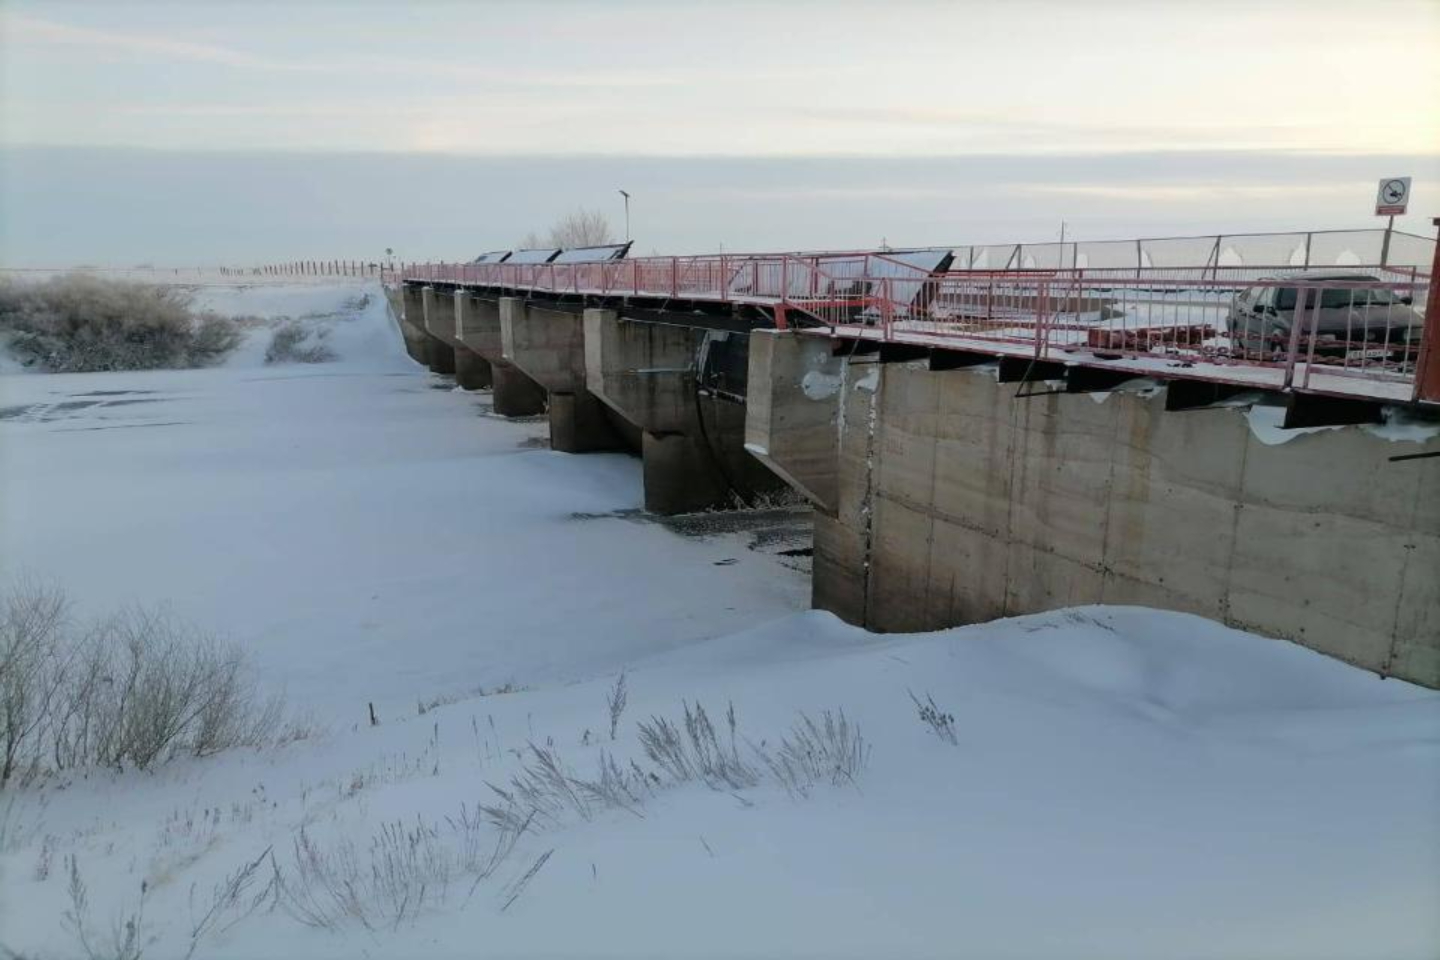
(627, 214)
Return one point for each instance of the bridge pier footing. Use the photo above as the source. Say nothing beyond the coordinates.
(514, 394)
(472, 371)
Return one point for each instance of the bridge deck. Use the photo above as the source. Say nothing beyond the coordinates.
(1352, 333)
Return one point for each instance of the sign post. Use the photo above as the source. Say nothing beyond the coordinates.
(1391, 199)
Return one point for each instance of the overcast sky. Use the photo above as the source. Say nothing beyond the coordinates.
(132, 131)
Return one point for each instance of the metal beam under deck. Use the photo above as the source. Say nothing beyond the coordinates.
(1322, 382)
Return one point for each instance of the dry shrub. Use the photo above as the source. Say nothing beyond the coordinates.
(78, 323)
(132, 690)
(293, 342)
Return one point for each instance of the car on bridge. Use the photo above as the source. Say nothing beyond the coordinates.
(1358, 317)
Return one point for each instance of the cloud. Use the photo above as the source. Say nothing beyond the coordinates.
(36, 31)
(1192, 192)
(33, 30)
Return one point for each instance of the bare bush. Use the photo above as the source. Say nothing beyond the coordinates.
(293, 342)
(941, 724)
(78, 323)
(145, 687)
(31, 673)
(135, 689)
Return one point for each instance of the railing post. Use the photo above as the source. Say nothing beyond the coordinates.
(887, 308)
(1042, 302)
(1427, 365)
(1302, 301)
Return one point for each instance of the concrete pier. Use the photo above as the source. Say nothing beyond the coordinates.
(437, 313)
(693, 440)
(548, 346)
(792, 399)
(477, 330)
(955, 501)
(412, 324)
(472, 371)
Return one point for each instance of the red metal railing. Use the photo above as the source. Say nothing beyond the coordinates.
(1328, 333)
(1341, 336)
(763, 278)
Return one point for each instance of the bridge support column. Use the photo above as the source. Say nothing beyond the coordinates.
(412, 323)
(477, 329)
(548, 346)
(472, 371)
(437, 311)
(693, 443)
(515, 395)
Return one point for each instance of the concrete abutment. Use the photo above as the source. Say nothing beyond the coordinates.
(943, 499)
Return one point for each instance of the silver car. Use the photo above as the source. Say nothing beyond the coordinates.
(1354, 322)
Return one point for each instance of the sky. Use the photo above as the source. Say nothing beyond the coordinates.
(250, 131)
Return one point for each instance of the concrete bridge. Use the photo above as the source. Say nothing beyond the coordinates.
(987, 443)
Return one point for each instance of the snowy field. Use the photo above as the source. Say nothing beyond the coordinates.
(1122, 782)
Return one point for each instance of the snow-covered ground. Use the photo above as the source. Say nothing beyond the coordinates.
(1124, 783)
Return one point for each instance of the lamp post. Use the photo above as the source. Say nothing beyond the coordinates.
(627, 214)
